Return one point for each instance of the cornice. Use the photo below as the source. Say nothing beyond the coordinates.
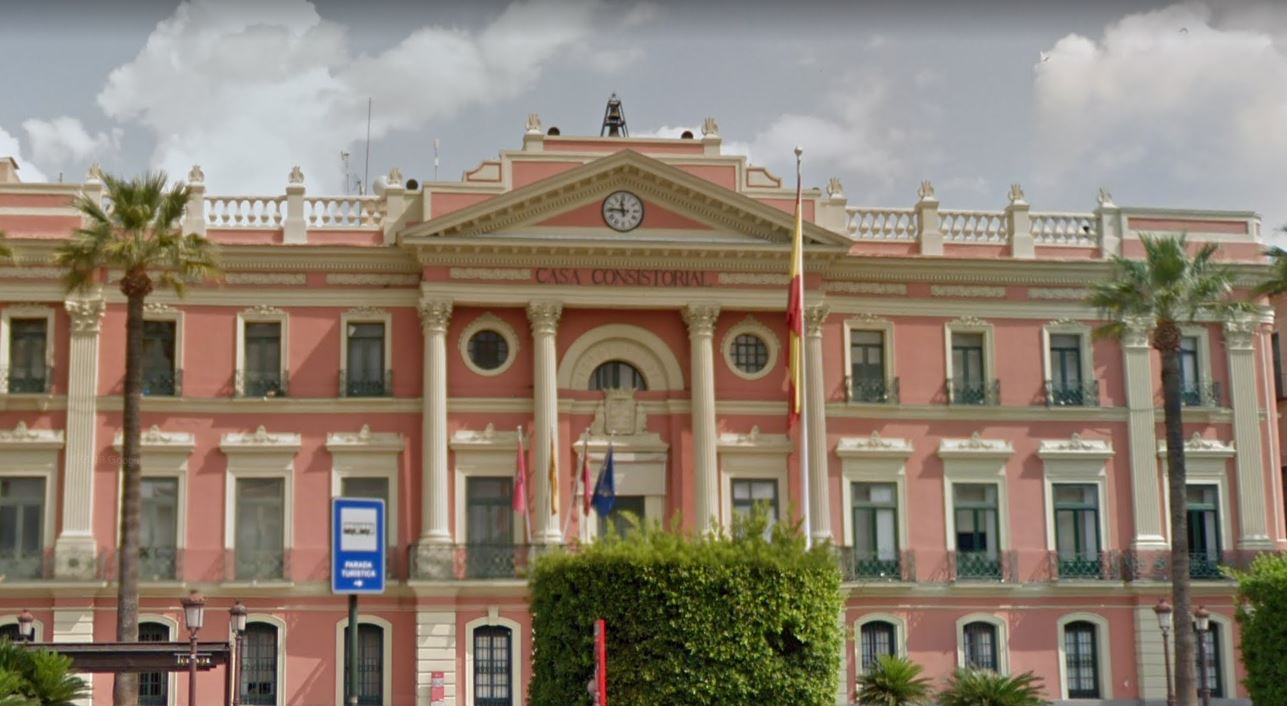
(260, 441)
(1198, 447)
(873, 445)
(486, 439)
(365, 441)
(755, 442)
(23, 438)
(975, 447)
(1075, 447)
(156, 440)
(316, 258)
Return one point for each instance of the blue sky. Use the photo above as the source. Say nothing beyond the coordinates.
(1165, 104)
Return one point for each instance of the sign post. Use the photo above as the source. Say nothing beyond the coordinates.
(357, 564)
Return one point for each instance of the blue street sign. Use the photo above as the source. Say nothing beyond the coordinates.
(357, 545)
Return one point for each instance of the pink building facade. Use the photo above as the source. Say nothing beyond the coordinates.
(990, 473)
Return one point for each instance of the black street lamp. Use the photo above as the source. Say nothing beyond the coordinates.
(26, 626)
(1202, 623)
(194, 614)
(1165, 614)
(238, 612)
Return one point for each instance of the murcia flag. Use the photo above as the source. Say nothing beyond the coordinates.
(795, 310)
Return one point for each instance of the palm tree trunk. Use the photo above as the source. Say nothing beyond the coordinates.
(125, 689)
(1185, 660)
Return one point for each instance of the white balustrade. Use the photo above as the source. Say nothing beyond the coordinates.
(973, 227)
(245, 211)
(882, 223)
(1074, 229)
(344, 211)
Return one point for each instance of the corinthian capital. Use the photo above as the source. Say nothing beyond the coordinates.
(1136, 332)
(814, 317)
(701, 318)
(1239, 333)
(435, 314)
(544, 316)
(86, 315)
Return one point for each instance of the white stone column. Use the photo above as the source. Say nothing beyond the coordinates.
(1252, 511)
(295, 226)
(544, 317)
(435, 315)
(1145, 493)
(701, 328)
(74, 549)
(815, 399)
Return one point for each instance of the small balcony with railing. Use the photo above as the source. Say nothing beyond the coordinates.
(360, 383)
(866, 391)
(253, 383)
(1084, 566)
(18, 565)
(981, 566)
(474, 561)
(862, 566)
(257, 565)
(27, 381)
(978, 393)
(164, 383)
(1061, 393)
(1203, 566)
(1201, 394)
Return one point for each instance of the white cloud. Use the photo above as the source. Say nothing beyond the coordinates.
(249, 89)
(9, 147)
(643, 13)
(63, 142)
(1186, 102)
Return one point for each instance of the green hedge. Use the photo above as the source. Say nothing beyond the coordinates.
(691, 621)
(1263, 590)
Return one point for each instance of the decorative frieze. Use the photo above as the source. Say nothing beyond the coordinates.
(158, 308)
(492, 273)
(1075, 445)
(952, 290)
(1069, 293)
(260, 439)
(263, 310)
(380, 280)
(701, 318)
(865, 288)
(976, 445)
(755, 440)
(872, 444)
(30, 273)
(1239, 333)
(753, 278)
(1197, 445)
(366, 312)
(155, 438)
(364, 440)
(29, 438)
(282, 278)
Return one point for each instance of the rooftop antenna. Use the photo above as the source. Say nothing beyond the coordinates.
(435, 159)
(366, 168)
(614, 119)
(344, 162)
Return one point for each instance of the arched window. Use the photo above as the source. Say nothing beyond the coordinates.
(1081, 658)
(981, 646)
(617, 375)
(493, 671)
(259, 665)
(877, 641)
(370, 664)
(154, 687)
(1214, 659)
(9, 632)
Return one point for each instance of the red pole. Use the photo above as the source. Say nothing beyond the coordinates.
(601, 660)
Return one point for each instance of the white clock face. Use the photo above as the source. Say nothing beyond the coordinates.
(622, 211)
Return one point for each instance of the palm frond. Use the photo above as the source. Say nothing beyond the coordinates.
(894, 681)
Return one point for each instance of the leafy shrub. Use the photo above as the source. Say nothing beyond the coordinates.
(30, 677)
(894, 681)
(981, 687)
(691, 621)
(1263, 617)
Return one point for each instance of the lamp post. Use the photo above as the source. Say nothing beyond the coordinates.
(239, 630)
(1202, 623)
(194, 614)
(26, 626)
(1164, 616)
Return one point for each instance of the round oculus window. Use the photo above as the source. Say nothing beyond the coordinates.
(488, 350)
(750, 353)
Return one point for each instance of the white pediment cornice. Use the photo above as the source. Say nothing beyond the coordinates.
(23, 437)
(1198, 447)
(156, 439)
(974, 447)
(873, 446)
(1075, 447)
(755, 441)
(654, 180)
(260, 441)
(364, 440)
(486, 439)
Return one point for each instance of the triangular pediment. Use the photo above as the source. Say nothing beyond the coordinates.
(680, 205)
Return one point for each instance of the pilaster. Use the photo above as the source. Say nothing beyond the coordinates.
(1019, 223)
(435, 652)
(1252, 512)
(74, 549)
(927, 218)
(194, 217)
(816, 423)
(435, 315)
(1145, 492)
(295, 227)
(700, 319)
(1109, 216)
(76, 624)
(544, 318)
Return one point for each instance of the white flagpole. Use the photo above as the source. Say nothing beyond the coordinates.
(804, 386)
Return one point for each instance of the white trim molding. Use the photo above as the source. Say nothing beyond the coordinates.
(1203, 334)
(260, 454)
(490, 322)
(900, 634)
(753, 456)
(1206, 463)
(870, 322)
(1103, 652)
(466, 686)
(164, 455)
(368, 454)
(639, 469)
(873, 459)
(1003, 638)
(970, 324)
(632, 344)
(33, 453)
(976, 460)
(1076, 461)
(26, 311)
(484, 454)
(366, 315)
(753, 326)
(1074, 328)
(386, 647)
(160, 311)
(261, 314)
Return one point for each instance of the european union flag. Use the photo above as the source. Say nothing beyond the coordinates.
(605, 488)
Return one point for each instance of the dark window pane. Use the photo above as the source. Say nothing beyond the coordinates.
(259, 665)
(748, 493)
(158, 528)
(28, 342)
(365, 359)
(750, 353)
(1081, 655)
(877, 641)
(22, 515)
(260, 531)
(263, 358)
(493, 668)
(1211, 651)
(488, 349)
(622, 506)
(154, 687)
(617, 375)
(159, 365)
(981, 646)
(370, 664)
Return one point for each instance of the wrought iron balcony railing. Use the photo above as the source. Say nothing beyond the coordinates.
(23, 565)
(460, 562)
(1092, 566)
(1203, 566)
(28, 382)
(158, 563)
(872, 391)
(980, 566)
(253, 383)
(359, 383)
(973, 392)
(168, 383)
(1202, 395)
(259, 565)
(1064, 394)
(858, 565)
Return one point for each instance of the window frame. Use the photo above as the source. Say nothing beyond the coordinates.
(1206, 463)
(1002, 642)
(363, 315)
(971, 325)
(280, 626)
(483, 455)
(753, 456)
(386, 650)
(884, 327)
(12, 619)
(1076, 461)
(367, 454)
(1068, 327)
(260, 454)
(1226, 667)
(27, 311)
(873, 459)
(261, 315)
(639, 467)
(617, 361)
(976, 461)
(162, 455)
(900, 635)
(753, 326)
(34, 453)
(1103, 653)
(493, 619)
(489, 322)
(156, 311)
(1205, 357)
(172, 625)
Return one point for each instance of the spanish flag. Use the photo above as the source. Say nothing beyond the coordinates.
(795, 308)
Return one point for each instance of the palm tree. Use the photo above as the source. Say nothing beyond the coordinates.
(1276, 283)
(5, 252)
(1160, 291)
(30, 677)
(982, 687)
(894, 681)
(139, 235)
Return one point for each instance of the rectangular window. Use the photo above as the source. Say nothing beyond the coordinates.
(1190, 373)
(489, 527)
(160, 368)
(875, 525)
(377, 489)
(868, 379)
(978, 552)
(158, 528)
(1203, 506)
(370, 664)
(28, 356)
(154, 686)
(366, 374)
(749, 493)
(1066, 385)
(493, 666)
(1077, 530)
(22, 523)
(263, 360)
(259, 665)
(261, 524)
(622, 507)
(969, 383)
